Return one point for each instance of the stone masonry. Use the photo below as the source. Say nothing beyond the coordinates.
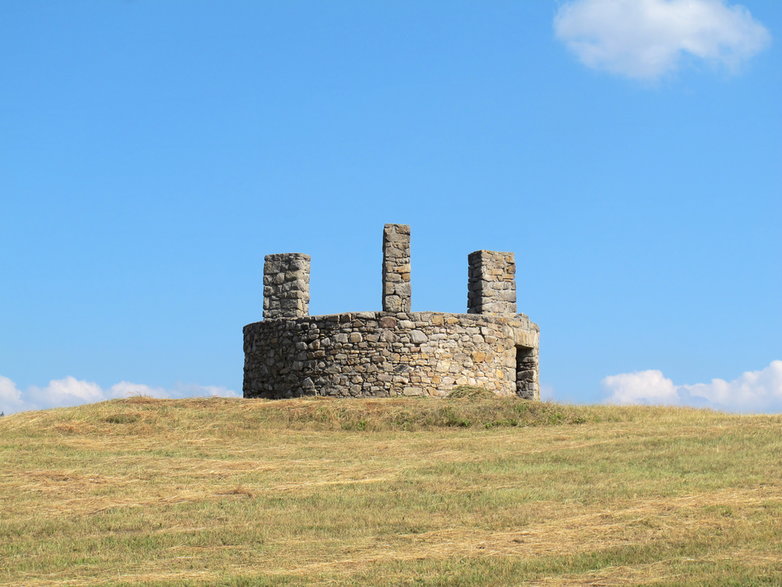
(286, 286)
(491, 283)
(394, 352)
(396, 268)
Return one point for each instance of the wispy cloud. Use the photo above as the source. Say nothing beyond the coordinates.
(73, 392)
(646, 39)
(753, 391)
(547, 393)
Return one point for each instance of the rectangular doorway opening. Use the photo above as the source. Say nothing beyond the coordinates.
(526, 370)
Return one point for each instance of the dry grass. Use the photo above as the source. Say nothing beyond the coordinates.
(413, 491)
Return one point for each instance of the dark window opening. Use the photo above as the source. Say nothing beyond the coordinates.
(526, 363)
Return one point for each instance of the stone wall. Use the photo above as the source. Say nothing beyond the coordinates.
(390, 354)
(286, 285)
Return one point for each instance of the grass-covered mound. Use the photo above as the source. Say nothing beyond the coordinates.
(467, 491)
(471, 392)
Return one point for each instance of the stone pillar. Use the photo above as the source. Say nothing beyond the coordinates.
(396, 268)
(491, 283)
(286, 286)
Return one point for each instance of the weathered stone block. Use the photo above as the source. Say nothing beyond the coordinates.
(418, 337)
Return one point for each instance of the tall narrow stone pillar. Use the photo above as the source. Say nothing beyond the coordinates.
(286, 286)
(396, 268)
(491, 283)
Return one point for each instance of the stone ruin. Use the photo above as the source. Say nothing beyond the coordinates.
(394, 352)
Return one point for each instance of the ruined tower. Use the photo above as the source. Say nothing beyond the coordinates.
(395, 351)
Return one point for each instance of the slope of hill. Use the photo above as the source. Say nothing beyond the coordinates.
(415, 491)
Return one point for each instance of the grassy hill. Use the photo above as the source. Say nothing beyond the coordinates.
(408, 491)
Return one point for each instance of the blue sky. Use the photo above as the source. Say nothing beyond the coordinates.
(628, 151)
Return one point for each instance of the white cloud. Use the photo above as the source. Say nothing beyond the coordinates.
(65, 392)
(186, 390)
(646, 39)
(641, 387)
(10, 396)
(753, 391)
(128, 389)
(180, 390)
(73, 392)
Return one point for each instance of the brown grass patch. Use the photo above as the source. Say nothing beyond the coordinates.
(234, 492)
